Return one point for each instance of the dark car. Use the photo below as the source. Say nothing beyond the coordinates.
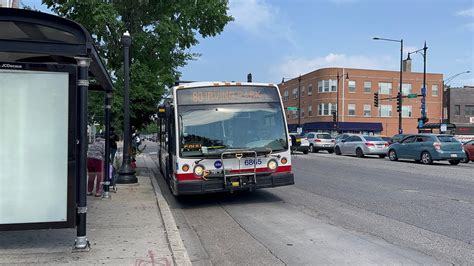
(469, 150)
(428, 148)
(398, 137)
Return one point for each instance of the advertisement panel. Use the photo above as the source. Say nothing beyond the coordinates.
(36, 155)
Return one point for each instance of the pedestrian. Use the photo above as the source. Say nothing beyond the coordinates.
(95, 166)
(113, 143)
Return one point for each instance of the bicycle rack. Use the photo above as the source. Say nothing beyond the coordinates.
(238, 155)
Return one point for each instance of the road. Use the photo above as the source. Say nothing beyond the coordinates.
(341, 210)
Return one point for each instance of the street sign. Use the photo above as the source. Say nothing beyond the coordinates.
(292, 108)
(443, 128)
(412, 95)
(299, 130)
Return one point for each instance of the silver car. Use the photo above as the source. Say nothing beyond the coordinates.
(320, 141)
(361, 145)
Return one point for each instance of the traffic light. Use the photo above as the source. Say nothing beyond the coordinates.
(399, 102)
(376, 99)
(334, 117)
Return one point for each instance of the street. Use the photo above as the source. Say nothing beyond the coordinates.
(341, 210)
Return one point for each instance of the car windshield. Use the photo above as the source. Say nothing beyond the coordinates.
(369, 138)
(323, 136)
(447, 139)
(207, 129)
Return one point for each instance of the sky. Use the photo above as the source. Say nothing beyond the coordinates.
(285, 38)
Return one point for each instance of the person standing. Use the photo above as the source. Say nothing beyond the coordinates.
(95, 166)
(113, 143)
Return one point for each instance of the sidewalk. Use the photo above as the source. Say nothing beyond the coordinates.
(134, 227)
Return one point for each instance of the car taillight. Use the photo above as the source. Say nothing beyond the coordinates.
(386, 144)
(333, 141)
(317, 140)
(437, 146)
(369, 144)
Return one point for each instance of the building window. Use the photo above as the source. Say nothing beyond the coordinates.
(385, 111)
(469, 110)
(310, 89)
(406, 111)
(294, 114)
(320, 109)
(326, 109)
(351, 108)
(457, 109)
(302, 111)
(333, 84)
(367, 110)
(406, 89)
(385, 88)
(302, 91)
(310, 110)
(285, 96)
(367, 87)
(352, 86)
(320, 86)
(434, 90)
(295, 93)
(326, 85)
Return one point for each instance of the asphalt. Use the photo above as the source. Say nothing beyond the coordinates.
(134, 227)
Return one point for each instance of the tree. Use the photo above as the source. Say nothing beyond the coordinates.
(162, 33)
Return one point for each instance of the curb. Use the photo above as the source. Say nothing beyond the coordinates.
(180, 254)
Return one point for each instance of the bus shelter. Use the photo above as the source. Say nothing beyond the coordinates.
(47, 66)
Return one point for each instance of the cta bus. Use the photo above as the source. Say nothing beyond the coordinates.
(223, 136)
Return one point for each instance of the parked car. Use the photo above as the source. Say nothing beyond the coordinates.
(361, 145)
(342, 136)
(299, 143)
(387, 139)
(469, 150)
(320, 141)
(428, 148)
(398, 137)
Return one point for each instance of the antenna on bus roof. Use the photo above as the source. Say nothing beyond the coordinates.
(249, 77)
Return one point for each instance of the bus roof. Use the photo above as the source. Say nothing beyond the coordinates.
(221, 83)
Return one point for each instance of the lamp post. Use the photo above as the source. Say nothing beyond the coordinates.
(126, 173)
(337, 98)
(299, 98)
(400, 129)
(423, 119)
(447, 98)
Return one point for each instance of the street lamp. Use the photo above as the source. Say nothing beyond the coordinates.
(446, 96)
(423, 119)
(126, 173)
(337, 98)
(400, 129)
(299, 98)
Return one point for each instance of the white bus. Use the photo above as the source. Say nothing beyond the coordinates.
(223, 136)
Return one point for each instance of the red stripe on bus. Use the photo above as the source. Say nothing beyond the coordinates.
(189, 176)
(280, 169)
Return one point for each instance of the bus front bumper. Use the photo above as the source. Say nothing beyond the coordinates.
(217, 185)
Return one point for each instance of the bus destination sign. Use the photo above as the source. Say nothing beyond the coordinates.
(227, 94)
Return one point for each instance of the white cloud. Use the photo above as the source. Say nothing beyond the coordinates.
(291, 67)
(260, 19)
(466, 13)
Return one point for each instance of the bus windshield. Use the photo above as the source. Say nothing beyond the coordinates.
(211, 129)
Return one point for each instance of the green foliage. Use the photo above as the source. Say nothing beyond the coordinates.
(162, 33)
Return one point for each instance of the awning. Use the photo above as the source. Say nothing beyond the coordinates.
(31, 36)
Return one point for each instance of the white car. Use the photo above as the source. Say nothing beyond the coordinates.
(299, 143)
(320, 141)
(361, 145)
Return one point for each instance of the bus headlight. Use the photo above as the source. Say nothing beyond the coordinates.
(272, 165)
(198, 170)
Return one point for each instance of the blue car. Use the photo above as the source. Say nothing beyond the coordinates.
(427, 148)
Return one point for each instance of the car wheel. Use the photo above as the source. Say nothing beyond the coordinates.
(311, 148)
(454, 162)
(305, 151)
(465, 160)
(426, 158)
(330, 151)
(382, 156)
(359, 153)
(337, 151)
(392, 155)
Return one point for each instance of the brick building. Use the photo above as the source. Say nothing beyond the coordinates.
(357, 114)
(459, 106)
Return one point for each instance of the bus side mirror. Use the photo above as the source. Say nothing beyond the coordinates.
(161, 111)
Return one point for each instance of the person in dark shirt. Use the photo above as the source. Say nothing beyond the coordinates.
(113, 143)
